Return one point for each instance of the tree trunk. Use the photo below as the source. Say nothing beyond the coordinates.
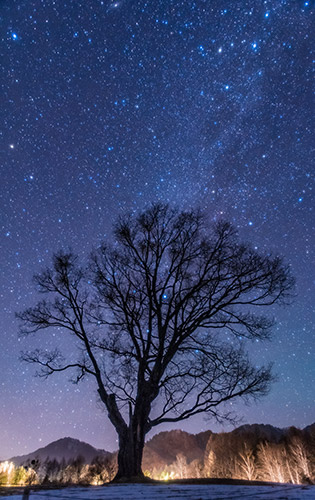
(131, 444)
(131, 440)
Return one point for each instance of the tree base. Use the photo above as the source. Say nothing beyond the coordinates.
(133, 479)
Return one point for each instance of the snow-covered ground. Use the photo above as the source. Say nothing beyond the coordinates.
(176, 492)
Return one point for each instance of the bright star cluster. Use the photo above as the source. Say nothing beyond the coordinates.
(109, 105)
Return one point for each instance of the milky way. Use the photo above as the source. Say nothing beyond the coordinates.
(108, 106)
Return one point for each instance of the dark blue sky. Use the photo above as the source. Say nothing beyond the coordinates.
(108, 106)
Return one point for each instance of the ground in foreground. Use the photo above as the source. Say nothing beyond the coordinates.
(174, 492)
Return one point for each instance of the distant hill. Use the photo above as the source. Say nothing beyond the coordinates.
(261, 432)
(66, 448)
(163, 448)
(310, 429)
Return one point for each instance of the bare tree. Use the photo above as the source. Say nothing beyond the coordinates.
(246, 464)
(209, 463)
(222, 453)
(157, 317)
(299, 464)
(181, 466)
(272, 459)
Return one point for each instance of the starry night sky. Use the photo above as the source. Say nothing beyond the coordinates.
(108, 106)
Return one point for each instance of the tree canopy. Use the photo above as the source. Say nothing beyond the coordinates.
(157, 316)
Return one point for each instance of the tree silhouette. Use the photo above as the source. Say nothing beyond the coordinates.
(157, 318)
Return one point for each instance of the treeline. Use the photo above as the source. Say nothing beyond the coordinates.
(101, 470)
(289, 458)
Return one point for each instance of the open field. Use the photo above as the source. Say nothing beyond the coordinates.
(171, 492)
